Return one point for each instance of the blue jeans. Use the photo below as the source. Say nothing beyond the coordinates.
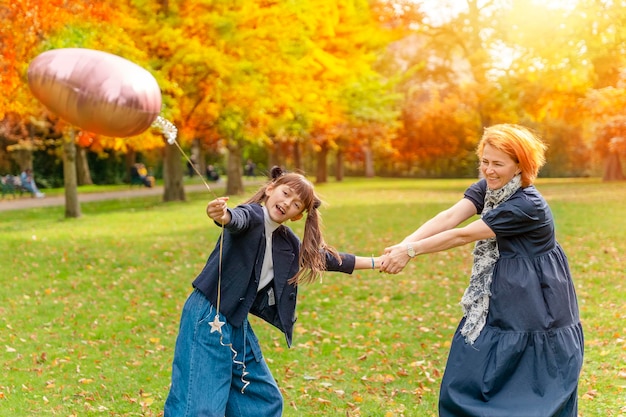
(206, 382)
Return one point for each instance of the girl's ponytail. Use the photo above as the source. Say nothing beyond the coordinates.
(314, 249)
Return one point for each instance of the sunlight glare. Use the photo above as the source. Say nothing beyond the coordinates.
(441, 11)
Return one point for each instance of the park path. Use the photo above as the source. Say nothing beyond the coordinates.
(25, 202)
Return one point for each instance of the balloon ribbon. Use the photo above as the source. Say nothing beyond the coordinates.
(216, 325)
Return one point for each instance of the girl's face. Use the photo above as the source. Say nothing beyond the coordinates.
(497, 167)
(283, 203)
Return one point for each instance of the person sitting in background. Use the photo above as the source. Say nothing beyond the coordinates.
(250, 168)
(191, 163)
(139, 174)
(9, 184)
(28, 183)
(211, 173)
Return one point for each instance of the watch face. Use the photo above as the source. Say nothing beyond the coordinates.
(410, 251)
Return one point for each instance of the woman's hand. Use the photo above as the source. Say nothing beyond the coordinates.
(218, 210)
(395, 258)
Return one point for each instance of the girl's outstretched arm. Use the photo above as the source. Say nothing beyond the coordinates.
(367, 262)
(218, 210)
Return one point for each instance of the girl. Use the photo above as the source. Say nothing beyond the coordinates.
(218, 367)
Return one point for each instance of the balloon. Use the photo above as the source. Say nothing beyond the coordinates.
(96, 91)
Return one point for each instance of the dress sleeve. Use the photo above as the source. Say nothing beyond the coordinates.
(476, 194)
(513, 217)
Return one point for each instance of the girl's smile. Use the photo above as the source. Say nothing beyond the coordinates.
(283, 203)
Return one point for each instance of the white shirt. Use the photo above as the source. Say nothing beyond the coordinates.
(267, 270)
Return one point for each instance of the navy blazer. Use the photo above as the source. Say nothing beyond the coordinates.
(242, 258)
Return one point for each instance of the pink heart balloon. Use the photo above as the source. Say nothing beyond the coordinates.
(96, 91)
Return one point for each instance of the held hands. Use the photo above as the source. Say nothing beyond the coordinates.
(394, 259)
(218, 210)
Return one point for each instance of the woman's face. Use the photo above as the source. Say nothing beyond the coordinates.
(497, 167)
(283, 203)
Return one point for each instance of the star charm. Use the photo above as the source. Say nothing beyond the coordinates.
(216, 324)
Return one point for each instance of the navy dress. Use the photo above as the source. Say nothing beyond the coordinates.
(527, 359)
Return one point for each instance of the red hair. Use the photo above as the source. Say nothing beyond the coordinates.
(521, 144)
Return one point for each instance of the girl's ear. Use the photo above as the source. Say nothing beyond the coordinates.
(297, 217)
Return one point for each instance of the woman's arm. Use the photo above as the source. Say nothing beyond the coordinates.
(445, 220)
(398, 256)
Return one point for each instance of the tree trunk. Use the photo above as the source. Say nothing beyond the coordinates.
(201, 161)
(173, 188)
(321, 175)
(297, 156)
(129, 161)
(234, 170)
(369, 163)
(194, 155)
(612, 168)
(72, 206)
(339, 167)
(83, 176)
(272, 155)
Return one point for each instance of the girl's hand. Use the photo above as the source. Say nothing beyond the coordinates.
(218, 210)
(395, 259)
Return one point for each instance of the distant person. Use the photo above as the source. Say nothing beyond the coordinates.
(211, 173)
(150, 176)
(250, 169)
(191, 167)
(139, 173)
(518, 350)
(28, 183)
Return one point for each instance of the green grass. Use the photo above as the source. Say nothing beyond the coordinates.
(89, 307)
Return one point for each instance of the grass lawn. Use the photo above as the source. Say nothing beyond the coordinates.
(89, 307)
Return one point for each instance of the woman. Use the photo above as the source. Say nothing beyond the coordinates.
(518, 350)
(28, 183)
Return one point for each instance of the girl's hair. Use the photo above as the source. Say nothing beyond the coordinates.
(521, 144)
(313, 251)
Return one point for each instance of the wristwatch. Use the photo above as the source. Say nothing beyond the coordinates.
(410, 251)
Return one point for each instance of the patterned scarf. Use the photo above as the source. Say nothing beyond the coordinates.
(475, 301)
